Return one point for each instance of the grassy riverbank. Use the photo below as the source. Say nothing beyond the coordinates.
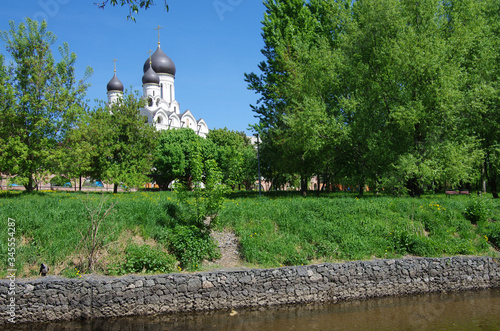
(273, 230)
(293, 230)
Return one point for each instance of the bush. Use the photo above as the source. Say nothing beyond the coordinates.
(60, 181)
(191, 246)
(146, 259)
(476, 211)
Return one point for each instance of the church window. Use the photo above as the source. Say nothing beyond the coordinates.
(159, 120)
(161, 90)
(170, 93)
(150, 102)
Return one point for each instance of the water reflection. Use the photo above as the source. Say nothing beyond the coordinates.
(442, 311)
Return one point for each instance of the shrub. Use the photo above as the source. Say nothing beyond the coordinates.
(191, 246)
(146, 259)
(476, 211)
(296, 258)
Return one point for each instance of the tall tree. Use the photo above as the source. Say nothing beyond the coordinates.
(386, 91)
(45, 101)
(130, 145)
(7, 99)
(481, 62)
(300, 85)
(408, 99)
(82, 152)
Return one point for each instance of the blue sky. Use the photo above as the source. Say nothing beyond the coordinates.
(211, 47)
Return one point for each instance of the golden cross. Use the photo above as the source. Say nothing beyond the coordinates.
(159, 28)
(114, 60)
(150, 51)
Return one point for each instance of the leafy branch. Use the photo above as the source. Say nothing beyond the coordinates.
(133, 5)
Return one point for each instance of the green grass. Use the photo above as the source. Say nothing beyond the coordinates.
(291, 230)
(274, 230)
(48, 225)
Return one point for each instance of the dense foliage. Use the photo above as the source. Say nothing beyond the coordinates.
(111, 144)
(399, 94)
(174, 156)
(236, 157)
(40, 100)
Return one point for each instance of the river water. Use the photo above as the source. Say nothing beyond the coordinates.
(437, 311)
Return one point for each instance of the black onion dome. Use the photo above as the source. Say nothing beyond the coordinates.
(150, 77)
(162, 64)
(115, 84)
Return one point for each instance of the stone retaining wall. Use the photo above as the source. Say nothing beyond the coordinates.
(54, 298)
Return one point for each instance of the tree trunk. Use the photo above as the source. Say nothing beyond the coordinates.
(493, 184)
(361, 186)
(29, 187)
(303, 185)
(115, 188)
(319, 185)
(483, 177)
(80, 183)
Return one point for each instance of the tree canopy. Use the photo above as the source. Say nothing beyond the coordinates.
(389, 93)
(40, 100)
(235, 156)
(174, 154)
(126, 142)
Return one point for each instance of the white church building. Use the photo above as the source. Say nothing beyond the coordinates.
(158, 84)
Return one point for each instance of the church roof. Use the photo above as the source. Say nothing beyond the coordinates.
(150, 77)
(115, 84)
(161, 63)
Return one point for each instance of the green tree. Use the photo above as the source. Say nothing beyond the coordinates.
(173, 156)
(482, 87)
(235, 156)
(123, 144)
(80, 153)
(7, 99)
(44, 101)
(408, 101)
(381, 91)
(300, 86)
